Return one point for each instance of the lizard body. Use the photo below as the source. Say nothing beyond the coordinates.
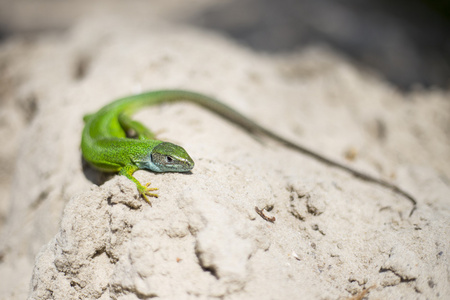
(105, 146)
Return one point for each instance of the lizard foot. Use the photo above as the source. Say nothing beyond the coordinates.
(146, 191)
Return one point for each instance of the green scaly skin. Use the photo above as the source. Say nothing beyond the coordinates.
(105, 146)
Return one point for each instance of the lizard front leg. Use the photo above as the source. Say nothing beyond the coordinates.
(145, 191)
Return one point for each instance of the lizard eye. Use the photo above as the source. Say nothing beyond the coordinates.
(169, 159)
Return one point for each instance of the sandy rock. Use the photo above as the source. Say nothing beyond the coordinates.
(333, 235)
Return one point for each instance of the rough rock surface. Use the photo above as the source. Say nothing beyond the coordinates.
(334, 236)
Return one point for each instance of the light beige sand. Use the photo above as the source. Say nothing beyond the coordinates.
(334, 236)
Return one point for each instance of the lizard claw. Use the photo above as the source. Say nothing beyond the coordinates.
(150, 189)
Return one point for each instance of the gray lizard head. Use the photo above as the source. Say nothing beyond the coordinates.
(168, 157)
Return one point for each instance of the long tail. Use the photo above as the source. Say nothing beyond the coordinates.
(162, 96)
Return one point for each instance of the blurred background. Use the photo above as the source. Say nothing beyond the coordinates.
(404, 42)
(407, 42)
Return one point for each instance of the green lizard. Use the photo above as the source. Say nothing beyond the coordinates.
(105, 146)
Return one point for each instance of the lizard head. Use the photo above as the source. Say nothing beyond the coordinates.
(168, 157)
